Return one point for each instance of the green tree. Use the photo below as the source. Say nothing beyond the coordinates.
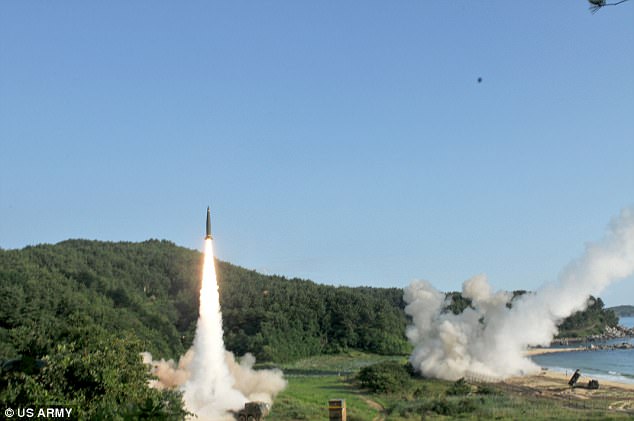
(98, 375)
(385, 377)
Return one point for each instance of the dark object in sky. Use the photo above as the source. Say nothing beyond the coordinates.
(597, 4)
(208, 236)
(479, 80)
(575, 377)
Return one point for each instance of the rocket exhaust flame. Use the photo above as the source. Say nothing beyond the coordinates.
(489, 340)
(210, 389)
(213, 383)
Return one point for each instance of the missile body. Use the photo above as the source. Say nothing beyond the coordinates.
(208, 236)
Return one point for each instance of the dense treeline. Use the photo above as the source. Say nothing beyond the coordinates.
(592, 321)
(74, 317)
(150, 291)
(48, 291)
(280, 319)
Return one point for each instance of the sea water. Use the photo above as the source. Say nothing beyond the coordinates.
(627, 322)
(614, 364)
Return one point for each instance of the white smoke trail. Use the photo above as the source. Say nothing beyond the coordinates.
(209, 392)
(212, 382)
(490, 339)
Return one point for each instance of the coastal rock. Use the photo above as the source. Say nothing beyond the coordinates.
(616, 332)
(623, 345)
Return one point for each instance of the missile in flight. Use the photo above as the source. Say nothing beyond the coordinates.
(208, 236)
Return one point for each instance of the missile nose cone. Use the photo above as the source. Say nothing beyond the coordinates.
(208, 233)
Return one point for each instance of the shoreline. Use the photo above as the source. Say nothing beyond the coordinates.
(588, 347)
(610, 333)
(540, 351)
(552, 380)
(563, 374)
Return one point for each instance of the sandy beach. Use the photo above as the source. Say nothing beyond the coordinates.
(539, 351)
(549, 376)
(555, 380)
(611, 395)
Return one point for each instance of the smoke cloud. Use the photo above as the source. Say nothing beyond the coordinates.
(489, 339)
(253, 385)
(256, 385)
(213, 383)
(170, 374)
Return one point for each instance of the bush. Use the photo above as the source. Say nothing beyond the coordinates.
(487, 390)
(385, 377)
(451, 407)
(407, 409)
(459, 388)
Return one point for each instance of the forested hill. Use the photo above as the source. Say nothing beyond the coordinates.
(623, 311)
(50, 294)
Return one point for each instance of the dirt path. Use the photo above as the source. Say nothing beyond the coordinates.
(375, 405)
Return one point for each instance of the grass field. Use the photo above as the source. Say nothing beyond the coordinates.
(313, 381)
(306, 398)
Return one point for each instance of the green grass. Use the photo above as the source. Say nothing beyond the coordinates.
(306, 398)
(313, 381)
(337, 364)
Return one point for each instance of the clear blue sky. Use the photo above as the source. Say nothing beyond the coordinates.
(345, 142)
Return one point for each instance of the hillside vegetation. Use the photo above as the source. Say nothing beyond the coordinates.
(623, 311)
(592, 321)
(150, 290)
(75, 315)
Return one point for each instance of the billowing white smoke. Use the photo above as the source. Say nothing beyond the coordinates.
(490, 339)
(169, 374)
(209, 393)
(254, 385)
(212, 381)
